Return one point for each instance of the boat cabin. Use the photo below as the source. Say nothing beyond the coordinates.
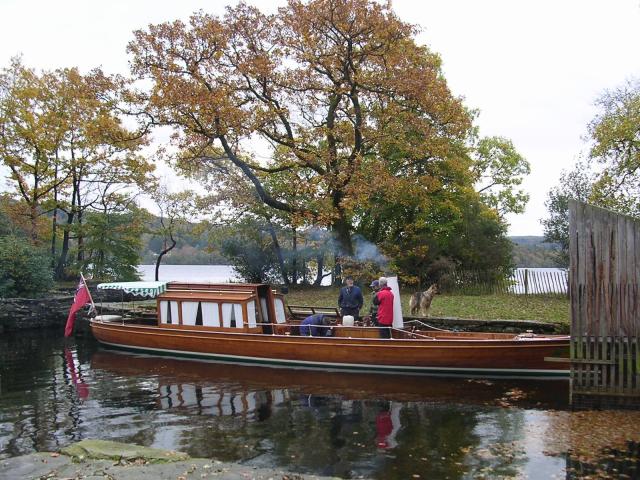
(207, 306)
(236, 307)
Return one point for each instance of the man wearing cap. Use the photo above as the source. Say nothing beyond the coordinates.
(373, 309)
(350, 300)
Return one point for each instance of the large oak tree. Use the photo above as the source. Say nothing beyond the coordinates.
(336, 94)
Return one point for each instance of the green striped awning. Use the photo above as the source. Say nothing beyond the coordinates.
(141, 289)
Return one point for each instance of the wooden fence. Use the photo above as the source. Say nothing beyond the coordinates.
(605, 307)
(521, 281)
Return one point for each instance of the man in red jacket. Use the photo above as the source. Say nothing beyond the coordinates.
(384, 300)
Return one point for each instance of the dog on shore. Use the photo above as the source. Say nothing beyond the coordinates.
(422, 300)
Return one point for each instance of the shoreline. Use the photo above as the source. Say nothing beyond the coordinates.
(90, 459)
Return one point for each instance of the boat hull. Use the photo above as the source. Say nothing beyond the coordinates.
(516, 358)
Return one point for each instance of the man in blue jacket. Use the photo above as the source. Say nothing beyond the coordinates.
(350, 300)
(315, 325)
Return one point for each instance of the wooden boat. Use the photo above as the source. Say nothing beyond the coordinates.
(248, 323)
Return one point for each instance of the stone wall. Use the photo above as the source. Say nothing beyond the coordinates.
(23, 313)
(52, 311)
(499, 326)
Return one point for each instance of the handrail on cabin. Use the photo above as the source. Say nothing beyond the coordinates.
(429, 326)
(427, 337)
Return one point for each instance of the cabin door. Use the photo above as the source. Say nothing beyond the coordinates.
(265, 300)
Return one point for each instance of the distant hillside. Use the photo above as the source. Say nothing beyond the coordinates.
(533, 251)
(193, 249)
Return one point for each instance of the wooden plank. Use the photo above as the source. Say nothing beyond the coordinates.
(629, 364)
(619, 325)
(603, 279)
(573, 259)
(630, 279)
(636, 279)
(583, 361)
(636, 365)
(588, 270)
(591, 367)
(605, 358)
(620, 371)
(557, 359)
(597, 358)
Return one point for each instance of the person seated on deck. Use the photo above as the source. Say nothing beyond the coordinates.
(316, 326)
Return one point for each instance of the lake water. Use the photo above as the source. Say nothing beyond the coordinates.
(541, 280)
(200, 273)
(54, 392)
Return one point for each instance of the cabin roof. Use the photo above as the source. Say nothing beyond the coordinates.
(144, 289)
(204, 295)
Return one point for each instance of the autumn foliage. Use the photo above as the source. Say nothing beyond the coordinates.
(338, 94)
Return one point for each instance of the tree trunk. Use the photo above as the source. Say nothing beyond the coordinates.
(62, 259)
(303, 276)
(54, 217)
(343, 246)
(80, 239)
(71, 215)
(33, 214)
(320, 274)
(276, 246)
(162, 254)
(294, 257)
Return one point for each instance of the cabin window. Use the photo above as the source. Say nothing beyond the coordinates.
(232, 315)
(210, 314)
(251, 313)
(280, 316)
(169, 312)
(191, 313)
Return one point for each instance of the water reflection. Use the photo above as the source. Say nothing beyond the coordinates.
(379, 426)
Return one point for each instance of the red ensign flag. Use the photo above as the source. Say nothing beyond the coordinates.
(81, 298)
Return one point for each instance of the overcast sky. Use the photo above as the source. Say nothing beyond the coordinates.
(532, 68)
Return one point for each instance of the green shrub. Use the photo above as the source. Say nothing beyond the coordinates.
(24, 269)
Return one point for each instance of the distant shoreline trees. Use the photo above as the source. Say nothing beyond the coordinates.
(70, 158)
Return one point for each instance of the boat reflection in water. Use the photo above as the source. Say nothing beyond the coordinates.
(330, 423)
(221, 388)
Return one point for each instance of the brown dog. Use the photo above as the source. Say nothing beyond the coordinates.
(422, 300)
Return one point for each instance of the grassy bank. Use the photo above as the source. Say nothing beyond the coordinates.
(553, 309)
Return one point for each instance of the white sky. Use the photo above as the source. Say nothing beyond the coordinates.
(532, 68)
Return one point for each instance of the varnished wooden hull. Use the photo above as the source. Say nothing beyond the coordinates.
(467, 356)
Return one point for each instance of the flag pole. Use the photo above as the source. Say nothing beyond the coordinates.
(93, 305)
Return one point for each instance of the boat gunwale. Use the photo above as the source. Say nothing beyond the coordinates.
(337, 340)
(468, 372)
